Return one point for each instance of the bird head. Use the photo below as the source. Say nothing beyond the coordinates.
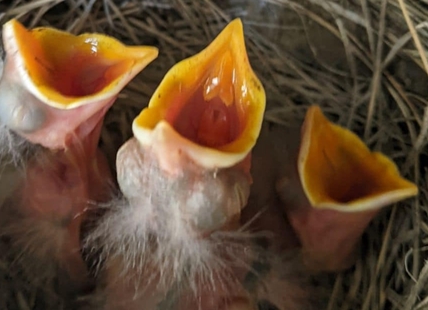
(345, 186)
(339, 172)
(198, 131)
(57, 85)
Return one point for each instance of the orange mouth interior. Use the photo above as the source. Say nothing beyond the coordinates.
(89, 74)
(209, 123)
(346, 176)
(213, 99)
(63, 65)
(209, 116)
(336, 167)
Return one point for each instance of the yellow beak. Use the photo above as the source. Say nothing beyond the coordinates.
(66, 71)
(339, 172)
(345, 185)
(209, 106)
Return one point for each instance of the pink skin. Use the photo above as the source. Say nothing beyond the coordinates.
(59, 130)
(121, 292)
(138, 286)
(58, 185)
(328, 238)
(199, 203)
(69, 175)
(137, 176)
(60, 127)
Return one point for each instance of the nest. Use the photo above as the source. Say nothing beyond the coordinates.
(363, 61)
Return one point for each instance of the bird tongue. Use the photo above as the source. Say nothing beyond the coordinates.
(211, 116)
(210, 123)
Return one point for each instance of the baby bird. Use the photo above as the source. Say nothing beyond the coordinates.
(331, 186)
(174, 240)
(54, 93)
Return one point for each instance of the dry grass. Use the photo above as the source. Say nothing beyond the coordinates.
(363, 61)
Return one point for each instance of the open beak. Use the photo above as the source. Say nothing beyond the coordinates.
(54, 81)
(346, 185)
(339, 172)
(208, 107)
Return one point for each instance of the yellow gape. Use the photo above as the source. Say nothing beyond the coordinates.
(209, 106)
(67, 71)
(339, 172)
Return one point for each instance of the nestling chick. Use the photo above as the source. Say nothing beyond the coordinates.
(174, 241)
(55, 96)
(333, 188)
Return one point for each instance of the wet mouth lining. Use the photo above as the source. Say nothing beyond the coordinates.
(210, 123)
